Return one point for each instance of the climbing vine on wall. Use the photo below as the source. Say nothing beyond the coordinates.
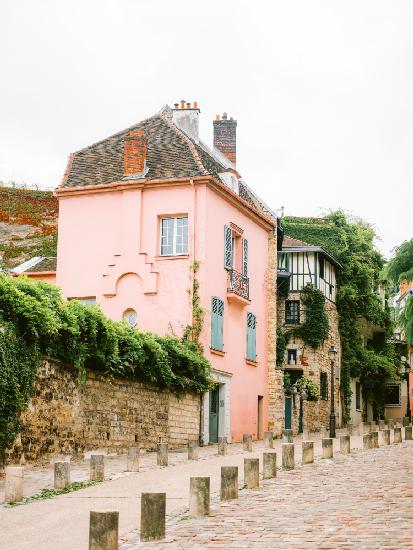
(193, 331)
(36, 321)
(314, 330)
(351, 241)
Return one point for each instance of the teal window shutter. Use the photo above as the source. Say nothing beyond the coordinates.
(251, 337)
(217, 324)
(227, 247)
(245, 257)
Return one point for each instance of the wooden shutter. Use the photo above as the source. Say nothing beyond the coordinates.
(227, 247)
(251, 337)
(245, 257)
(217, 324)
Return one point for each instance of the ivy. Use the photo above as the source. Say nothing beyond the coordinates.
(351, 241)
(193, 331)
(310, 388)
(36, 321)
(314, 330)
(282, 340)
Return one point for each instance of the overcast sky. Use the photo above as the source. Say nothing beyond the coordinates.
(322, 92)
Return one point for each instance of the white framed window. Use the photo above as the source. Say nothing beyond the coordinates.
(174, 236)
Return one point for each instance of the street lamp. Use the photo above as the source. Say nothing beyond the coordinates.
(332, 352)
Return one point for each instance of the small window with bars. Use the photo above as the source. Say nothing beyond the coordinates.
(292, 312)
(323, 386)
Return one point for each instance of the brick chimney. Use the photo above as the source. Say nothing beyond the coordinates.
(134, 155)
(186, 117)
(225, 137)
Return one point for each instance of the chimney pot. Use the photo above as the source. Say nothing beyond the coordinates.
(131, 133)
(217, 117)
(195, 104)
(224, 116)
(182, 104)
(176, 105)
(188, 105)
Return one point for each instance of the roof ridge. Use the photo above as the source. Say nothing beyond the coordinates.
(186, 139)
(299, 240)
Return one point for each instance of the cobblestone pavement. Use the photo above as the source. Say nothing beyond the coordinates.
(363, 500)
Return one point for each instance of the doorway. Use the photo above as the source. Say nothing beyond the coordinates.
(213, 414)
(288, 412)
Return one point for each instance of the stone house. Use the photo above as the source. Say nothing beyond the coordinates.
(151, 217)
(299, 264)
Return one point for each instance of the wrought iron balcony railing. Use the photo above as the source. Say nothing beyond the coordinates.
(238, 284)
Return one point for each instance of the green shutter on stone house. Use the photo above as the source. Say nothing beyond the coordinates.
(217, 324)
(227, 247)
(245, 257)
(251, 337)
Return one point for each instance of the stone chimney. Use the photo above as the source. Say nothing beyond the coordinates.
(186, 117)
(225, 137)
(134, 155)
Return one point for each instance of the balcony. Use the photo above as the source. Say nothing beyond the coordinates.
(238, 290)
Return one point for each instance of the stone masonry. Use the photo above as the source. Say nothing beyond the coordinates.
(314, 361)
(66, 416)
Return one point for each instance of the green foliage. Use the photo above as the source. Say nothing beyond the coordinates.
(36, 321)
(311, 389)
(351, 242)
(400, 266)
(193, 331)
(287, 382)
(314, 330)
(282, 340)
(406, 321)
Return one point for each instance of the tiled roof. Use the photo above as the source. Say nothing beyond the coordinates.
(170, 154)
(290, 242)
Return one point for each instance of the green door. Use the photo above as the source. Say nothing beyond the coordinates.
(288, 412)
(213, 414)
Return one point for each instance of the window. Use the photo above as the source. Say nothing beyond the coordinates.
(217, 324)
(392, 395)
(358, 396)
(323, 386)
(90, 301)
(174, 236)
(292, 312)
(251, 337)
(235, 251)
(130, 317)
(321, 266)
(292, 357)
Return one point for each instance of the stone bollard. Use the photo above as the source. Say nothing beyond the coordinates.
(162, 455)
(247, 442)
(367, 443)
(13, 490)
(327, 444)
(251, 473)
(229, 482)
(308, 452)
(390, 424)
(268, 440)
(97, 467)
(153, 508)
(222, 446)
(386, 437)
(397, 435)
(374, 440)
(199, 497)
(399, 422)
(382, 425)
(269, 469)
(132, 460)
(373, 426)
(288, 456)
(406, 421)
(193, 450)
(345, 444)
(103, 530)
(408, 433)
(61, 475)
(288, 436)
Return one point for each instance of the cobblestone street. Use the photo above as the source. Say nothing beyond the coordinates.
(363, 500)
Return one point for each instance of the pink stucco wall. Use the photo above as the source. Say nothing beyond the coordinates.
(108, 248)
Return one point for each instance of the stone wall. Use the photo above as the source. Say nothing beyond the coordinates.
(68, 417)
(314, 361)
(275, 375)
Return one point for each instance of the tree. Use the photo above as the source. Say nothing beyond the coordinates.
(400, 267)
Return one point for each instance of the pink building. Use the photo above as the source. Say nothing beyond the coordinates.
(136, 211)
